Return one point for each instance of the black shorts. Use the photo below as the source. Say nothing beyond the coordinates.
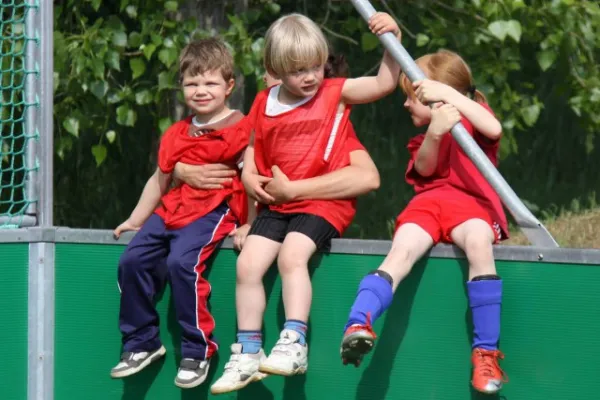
(275, 226)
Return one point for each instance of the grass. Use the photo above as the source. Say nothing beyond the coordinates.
(581, 230)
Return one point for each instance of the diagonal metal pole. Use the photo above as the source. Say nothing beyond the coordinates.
(537, 234)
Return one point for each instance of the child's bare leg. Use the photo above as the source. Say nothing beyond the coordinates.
(376, 290)
(289, 356)
(253, 262)
(296, 251)
(476, 237)
(409, 244)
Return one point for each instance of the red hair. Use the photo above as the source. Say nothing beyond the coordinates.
(447, 67)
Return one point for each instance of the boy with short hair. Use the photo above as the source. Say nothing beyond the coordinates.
(176, 238)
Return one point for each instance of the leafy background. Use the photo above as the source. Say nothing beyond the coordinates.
(116, 92)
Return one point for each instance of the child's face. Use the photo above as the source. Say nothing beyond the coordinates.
(304, 82)
(206, 93)
(419, 112)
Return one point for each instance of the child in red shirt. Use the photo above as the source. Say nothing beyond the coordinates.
(181, 227)
(453, 204)
(301, 134)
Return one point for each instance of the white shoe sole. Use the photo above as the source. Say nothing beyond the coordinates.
(272, 370)
(258, 376)
(151, 358)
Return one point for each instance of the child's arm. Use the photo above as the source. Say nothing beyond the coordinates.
(428, 91)
(443, 118)
(358, 178)
(253, 182)
(156, 186)
(240, 234)
(367, 89)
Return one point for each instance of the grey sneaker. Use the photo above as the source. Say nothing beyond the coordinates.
(133, 362)
(191, 373)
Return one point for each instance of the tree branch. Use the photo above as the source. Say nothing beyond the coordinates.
(456, 10)
(133, 53)
(339, 35)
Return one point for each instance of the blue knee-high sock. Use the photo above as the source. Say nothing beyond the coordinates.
(485, 300)
(251, 341)
(298, 326)
(374, 296)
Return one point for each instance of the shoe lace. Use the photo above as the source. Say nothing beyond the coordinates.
(489, 363)
(282, 347)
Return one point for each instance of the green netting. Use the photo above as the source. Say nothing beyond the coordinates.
(16, 97)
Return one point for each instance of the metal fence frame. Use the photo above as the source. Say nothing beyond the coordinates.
(39, 88)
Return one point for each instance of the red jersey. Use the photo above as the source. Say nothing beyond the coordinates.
(221, 142)
(303, 144)
(455, 171)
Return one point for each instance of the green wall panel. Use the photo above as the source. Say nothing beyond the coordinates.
(14, 269)
(550, 331)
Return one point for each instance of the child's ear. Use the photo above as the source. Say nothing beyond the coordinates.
(230, 86)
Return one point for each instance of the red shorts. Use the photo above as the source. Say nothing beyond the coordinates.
(438, 213)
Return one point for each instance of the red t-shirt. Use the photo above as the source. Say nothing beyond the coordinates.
(456, 171)
(301, 142)
(222, 142)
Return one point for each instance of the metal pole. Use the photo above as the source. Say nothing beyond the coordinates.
(46, 153)
(533, 229)
(41, 300)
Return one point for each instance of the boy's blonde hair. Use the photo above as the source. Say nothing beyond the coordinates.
(447, 67)
(294, 42)
(205, 55)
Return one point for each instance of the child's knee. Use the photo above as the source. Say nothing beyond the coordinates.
(246, 271)
(478, 242)
(400, 261)
(290, 261)
(175, 266)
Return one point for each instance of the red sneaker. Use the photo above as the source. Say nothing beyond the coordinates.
(488, 377)
(358, 340)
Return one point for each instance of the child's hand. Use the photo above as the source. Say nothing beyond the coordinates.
(280, 187)
(443, 118)
(428, 91)
(239, 236)
(381, 23)
(254, 187)
(208, 176)
(124, 227)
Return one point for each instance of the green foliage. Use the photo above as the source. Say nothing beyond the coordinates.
(537, 62)
(116, 67)
(498, 40)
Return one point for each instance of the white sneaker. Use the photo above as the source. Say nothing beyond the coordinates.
(191, 373)
(241, 370)
(132, 363)
(288, 357)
